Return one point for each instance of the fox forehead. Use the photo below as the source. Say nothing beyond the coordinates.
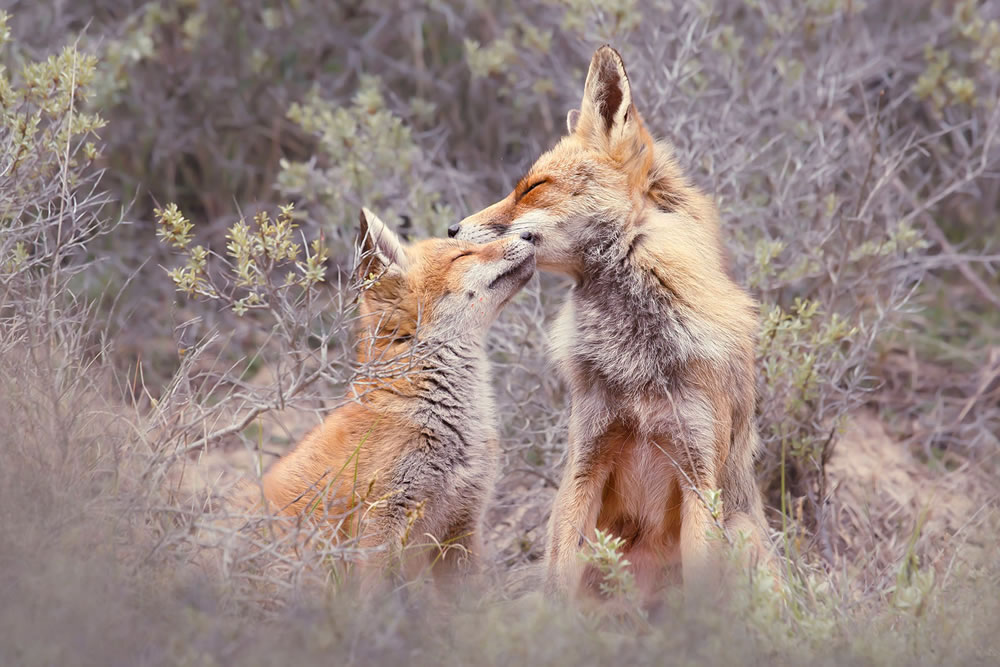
(434, 257)
(436, 271)
(567, 161)
(401, 301)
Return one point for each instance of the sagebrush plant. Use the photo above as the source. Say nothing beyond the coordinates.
(961, 67)
(271, 278)
(257, 256)
(273, 55)
(604, 553)
(49, 203)
(365, 155)
(51, 207)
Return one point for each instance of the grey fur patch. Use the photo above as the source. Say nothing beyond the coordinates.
(631, 330)
(454, 464)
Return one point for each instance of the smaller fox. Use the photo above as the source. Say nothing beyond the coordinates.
(413, 451)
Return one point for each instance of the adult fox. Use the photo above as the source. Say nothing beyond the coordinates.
(656, 341)
(414, 450)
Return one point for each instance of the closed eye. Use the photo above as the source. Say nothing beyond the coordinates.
(464, 254)
(533, 186)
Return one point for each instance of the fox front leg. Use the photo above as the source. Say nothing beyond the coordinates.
(573, 521)
(699, 434)
(578, 500)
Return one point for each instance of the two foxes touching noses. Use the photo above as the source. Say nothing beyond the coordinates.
(655, 340)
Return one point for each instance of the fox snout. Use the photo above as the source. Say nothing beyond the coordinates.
(517, 262)
(518, 248)
(455, 229)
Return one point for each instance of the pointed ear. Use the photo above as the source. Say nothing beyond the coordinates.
(381, 249)
(606, 114)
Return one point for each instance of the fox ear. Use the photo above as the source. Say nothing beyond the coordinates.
(381, 249)
(572, 118)
(606, 113)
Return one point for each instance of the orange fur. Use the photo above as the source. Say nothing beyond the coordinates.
(411, 456)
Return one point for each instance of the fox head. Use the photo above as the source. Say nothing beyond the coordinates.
(607, 168)
(436, 289)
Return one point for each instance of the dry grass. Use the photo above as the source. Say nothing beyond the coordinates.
(87, 579)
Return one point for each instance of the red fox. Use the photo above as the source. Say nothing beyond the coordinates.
(413, 451)
(656, 341)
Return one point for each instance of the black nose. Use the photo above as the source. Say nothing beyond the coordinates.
(528, 236)
(453, 230)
